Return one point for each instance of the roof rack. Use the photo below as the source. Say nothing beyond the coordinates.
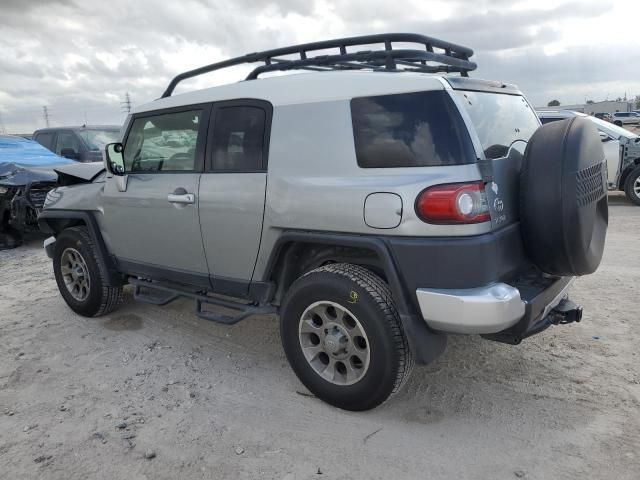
(434, 56)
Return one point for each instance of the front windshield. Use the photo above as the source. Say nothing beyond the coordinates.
(97, 139)
(499, 120)
(611, 129)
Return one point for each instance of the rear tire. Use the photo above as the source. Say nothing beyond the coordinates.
(80, 277)
(632, 186)
(343, 337)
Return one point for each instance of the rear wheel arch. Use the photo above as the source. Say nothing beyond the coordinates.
(630, 168)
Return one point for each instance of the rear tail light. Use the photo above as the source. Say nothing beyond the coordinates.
(454, 203)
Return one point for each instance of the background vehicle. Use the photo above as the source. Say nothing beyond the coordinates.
(26, 176)
(621, 148)
(625, 118)
(604, 116)
(375, 211)
(84, 144)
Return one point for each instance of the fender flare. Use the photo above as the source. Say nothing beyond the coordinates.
(64, 218)
(426, 344)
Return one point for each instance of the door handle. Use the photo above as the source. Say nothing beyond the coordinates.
(184, 198)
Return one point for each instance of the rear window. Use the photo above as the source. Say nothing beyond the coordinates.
(499, 120)
(419, 129)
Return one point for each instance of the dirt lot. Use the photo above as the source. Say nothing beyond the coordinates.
(89, 398)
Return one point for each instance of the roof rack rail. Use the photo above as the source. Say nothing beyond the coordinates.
(434, 56)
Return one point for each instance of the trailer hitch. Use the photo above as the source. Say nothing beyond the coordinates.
(565, 312)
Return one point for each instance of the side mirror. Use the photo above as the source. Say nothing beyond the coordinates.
(604, 137)
(70, 153)
(115, 159)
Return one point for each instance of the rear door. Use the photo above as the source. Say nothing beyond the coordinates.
(232, 192)
(152, 224)
(503, 123)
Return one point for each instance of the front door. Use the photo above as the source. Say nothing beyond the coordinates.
(151, 217)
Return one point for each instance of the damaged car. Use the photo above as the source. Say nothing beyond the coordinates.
(26, 176)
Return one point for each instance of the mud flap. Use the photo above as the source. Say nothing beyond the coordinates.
(425, 344)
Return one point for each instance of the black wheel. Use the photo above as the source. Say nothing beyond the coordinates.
(343, 337)
(632, 186)
(618, 123)
(80, 279)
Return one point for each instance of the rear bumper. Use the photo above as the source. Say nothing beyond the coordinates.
(499, 311)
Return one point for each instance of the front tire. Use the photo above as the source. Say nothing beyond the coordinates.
(343, 337)
(632, 186)
(80, 277)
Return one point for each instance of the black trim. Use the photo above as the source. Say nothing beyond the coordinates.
(264, 105)
(449, 58)
(478, 85)
(156, 272)
(200, 143)
(65, 216)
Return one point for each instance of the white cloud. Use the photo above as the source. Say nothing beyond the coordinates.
(80, 57)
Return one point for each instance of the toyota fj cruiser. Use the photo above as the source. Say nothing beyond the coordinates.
(376, 204)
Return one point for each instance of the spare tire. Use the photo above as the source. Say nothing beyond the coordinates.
(563, 198)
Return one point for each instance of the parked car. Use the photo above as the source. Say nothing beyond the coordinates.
(621, 149)
(26, 176)
(604, 116)
(83, 144)
(374, 211)
(626, 118)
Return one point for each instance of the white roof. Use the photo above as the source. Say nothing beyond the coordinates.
(306, 88)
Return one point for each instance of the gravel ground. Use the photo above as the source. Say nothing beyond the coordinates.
(150, 392)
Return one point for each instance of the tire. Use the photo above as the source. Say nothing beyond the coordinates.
(632, 186)
(375, 352)
(563, 198)
(76, 250)
(618, 123)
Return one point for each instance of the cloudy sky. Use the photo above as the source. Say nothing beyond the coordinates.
(80, 57)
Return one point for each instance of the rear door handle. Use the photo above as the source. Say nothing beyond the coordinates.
(184, 198)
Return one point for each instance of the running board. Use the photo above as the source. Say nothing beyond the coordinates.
(157, 293)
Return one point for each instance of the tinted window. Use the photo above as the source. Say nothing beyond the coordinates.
(238, 138)
(499, 120)
(67, 141)
(409, 130)
(45, 139)
(163, 142)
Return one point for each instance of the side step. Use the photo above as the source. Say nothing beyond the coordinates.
(158, 293)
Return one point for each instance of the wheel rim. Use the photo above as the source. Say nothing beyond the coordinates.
(334, 343)
(636, 187)
(75, 274)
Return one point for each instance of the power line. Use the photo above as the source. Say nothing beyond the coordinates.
(45, 114)
(126, 105)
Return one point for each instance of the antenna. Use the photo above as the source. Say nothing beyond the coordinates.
(45, 114)
(126, 105)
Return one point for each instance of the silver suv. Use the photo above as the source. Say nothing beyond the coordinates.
(375, 203)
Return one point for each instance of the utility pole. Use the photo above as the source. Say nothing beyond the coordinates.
(45, 114)
(126, 105)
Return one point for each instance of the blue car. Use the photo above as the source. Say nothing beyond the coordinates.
(26, 176)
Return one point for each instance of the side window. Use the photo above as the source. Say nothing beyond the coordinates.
(45, 139)
(238, 139)
(67, 141)
(162, 143)
(409, 130)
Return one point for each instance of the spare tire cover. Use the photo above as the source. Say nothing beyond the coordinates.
(563, 197)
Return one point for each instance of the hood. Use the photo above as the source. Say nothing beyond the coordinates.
(79, 172)
(16, 175)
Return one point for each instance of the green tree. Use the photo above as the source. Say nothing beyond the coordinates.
(637, 102)
(590, 102)
(553, 103)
